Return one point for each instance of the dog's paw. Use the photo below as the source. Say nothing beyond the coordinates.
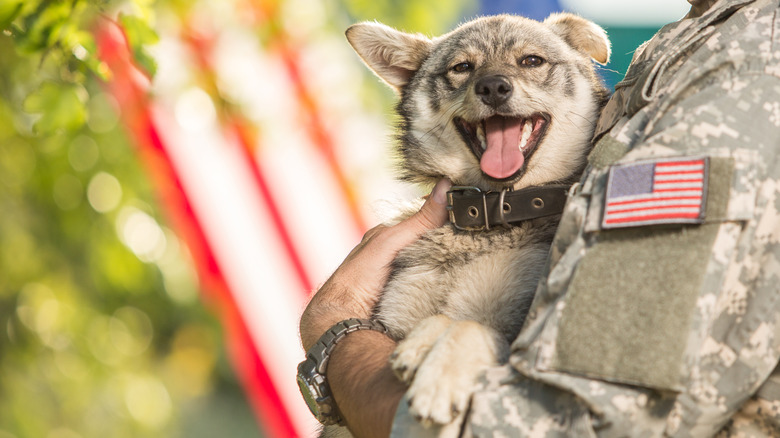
(439, 398)
(411, 352)
(445, 380)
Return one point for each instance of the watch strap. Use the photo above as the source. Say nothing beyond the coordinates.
(320, 352)
(313, 369)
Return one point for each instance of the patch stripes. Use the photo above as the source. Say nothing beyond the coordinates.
(671, 191)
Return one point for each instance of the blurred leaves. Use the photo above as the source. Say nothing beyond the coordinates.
(432, 17)
(139, 35)
(9, 9)
(56, 38)
(89, 332)
(59, 105)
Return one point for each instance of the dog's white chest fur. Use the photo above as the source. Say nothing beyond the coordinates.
(488, 277)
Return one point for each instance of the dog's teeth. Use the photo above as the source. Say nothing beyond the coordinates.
(481, 137)
(528, 128)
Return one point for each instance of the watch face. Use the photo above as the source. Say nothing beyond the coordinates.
(309, 396)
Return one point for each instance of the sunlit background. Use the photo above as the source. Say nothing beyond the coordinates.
(176, 177)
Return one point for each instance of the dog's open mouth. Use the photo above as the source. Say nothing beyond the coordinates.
(503, 145)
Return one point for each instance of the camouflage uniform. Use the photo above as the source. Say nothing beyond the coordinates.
(662, 329)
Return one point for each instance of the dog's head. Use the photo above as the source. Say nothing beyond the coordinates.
(501, 101)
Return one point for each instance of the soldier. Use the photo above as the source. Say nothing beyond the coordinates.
(650, 321)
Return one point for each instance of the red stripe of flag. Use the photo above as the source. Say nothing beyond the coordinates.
(680, 163)
(681, 172)
(678, 189)
(676, 198)
(680, 181)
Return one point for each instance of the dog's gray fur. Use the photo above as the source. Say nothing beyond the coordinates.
(456, 299)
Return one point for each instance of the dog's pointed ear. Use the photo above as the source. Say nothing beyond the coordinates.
(393, 55)
(584, 35)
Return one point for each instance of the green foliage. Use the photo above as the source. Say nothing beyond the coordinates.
(432, 17)
(9, 9)
(56, 37)
(96, 340)
(139, 35)
(59, 105)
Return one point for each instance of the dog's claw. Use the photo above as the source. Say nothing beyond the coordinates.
(404, 364)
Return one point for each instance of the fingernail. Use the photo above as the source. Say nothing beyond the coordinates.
(439, 192)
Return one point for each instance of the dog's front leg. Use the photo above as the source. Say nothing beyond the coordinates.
(445, 380)
(412, 350)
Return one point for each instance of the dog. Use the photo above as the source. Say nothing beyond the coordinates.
(502, 104)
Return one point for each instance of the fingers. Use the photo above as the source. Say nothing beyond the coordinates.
(433, 214)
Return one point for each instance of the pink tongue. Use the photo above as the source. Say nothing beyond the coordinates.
(503, 157)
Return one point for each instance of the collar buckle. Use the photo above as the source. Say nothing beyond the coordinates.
(473, 210)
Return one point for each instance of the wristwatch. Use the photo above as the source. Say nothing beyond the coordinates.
(311, 372)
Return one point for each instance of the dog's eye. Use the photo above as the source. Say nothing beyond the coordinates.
(531, 61)
(462, 67)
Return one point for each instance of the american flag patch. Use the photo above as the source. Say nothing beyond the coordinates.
(656, 192)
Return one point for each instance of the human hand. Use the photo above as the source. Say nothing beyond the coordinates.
(354, 288)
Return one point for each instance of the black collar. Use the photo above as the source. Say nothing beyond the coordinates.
(472, 209)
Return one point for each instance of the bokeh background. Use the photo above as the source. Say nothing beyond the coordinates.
(176, 178)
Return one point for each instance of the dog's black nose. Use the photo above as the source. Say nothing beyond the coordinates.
(493, 90)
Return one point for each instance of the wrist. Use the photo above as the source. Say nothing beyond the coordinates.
(326, 309)
(363, 385)
(312, 372)
(315, 321)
